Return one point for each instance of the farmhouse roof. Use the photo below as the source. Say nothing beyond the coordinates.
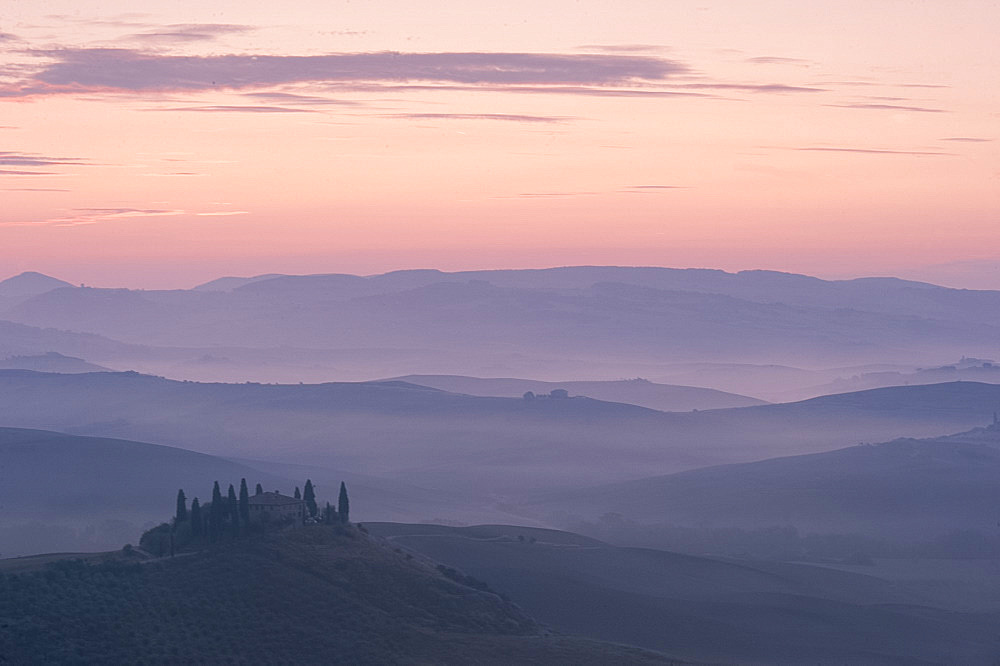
(273, 499)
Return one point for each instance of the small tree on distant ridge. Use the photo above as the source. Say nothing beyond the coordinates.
(182, 512)
(259, 490)
(298, 494)
(309, 496)
(343, 505)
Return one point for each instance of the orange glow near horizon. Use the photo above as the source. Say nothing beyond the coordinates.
(856, 140)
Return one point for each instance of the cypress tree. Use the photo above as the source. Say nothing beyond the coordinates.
(244, 502)
(259, 491)
(344, 505)
(182, 512)
(298, 495)
(328, 514)
(216, 513)
(309, 495)
(195, 518)
(233, 509)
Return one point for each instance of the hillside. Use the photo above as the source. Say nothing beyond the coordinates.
(642, 392)
(470, 444)
(17, 289)
(908, 489)
(50, 362)
(706, 609)
(313, 595)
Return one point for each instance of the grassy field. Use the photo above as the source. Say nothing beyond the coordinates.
(313, 595)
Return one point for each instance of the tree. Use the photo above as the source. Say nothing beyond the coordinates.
(244, 502)
(182, 512)
(343, 505)
(195, 518)
(259, 491)
(298, 495)
(233, 509)
(216, 513)
(328, 514)
(309, 495)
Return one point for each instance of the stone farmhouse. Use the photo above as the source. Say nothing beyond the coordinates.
(275, 507)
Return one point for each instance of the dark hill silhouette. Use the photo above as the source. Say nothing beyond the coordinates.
(908, 489)
(313, 595)
(454, 442)
(705, 609)
(663, 397)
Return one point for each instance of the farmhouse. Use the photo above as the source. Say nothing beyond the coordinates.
(275, 507)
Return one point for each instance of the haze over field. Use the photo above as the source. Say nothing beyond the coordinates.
(550, 332)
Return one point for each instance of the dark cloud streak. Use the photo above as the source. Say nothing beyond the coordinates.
(80, 70)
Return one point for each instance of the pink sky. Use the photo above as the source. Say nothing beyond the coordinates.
(160, 145)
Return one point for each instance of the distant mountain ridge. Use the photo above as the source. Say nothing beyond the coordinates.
(563, 314)
(19, 288)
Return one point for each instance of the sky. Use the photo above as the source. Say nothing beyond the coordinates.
(160, 145)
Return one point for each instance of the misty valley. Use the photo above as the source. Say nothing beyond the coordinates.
(573, 465)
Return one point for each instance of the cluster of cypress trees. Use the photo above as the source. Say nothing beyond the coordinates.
(232, 514)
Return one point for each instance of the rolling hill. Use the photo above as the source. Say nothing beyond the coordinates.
(663, 397)
(17, 289)
(905, 489)
(313, 595)
(705, 609)
(50, 362)
(460, 443)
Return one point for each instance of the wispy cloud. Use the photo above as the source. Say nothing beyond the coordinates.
(623, 48)
(171, 174)
(84, 216)
(651, 189)
(22, 172)
(966, 139)
(24, 161)
(36, 189)
(81, 216)
(547, 195)
(776, 60)
(754, 87)
(8, 37)
(889, 107)
(873, 151)
(126, 70)
(509, 117)
(304, 100)
(10, 158)
(235, 108)
(188, 32)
